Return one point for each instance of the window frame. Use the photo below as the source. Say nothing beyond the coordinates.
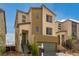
(23, 18)
(49, 18)
(37, 15)
(37, 29)
(49, 31)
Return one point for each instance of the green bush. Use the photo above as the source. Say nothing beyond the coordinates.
(35, 50)
(68, 44)
(29, 46)
(64, 45)
(2, 49)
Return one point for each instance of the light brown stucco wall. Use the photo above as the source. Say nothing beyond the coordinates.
(45, 24)
(36, 22)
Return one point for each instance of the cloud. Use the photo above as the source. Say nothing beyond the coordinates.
(10, 39)
(62, 20)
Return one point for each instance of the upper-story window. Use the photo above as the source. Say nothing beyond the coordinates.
(49, 31)
(49, 18)
(37, 15)
(23, 18)
(37, 29)
(59, 26)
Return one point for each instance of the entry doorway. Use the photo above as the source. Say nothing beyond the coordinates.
(63, 40)
(24, 41)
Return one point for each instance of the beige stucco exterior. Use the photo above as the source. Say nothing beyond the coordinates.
(30, 26)
(45, 24)
(20, 17)
(2, 27)
(27, 28)
(78, 31)
(32, 22)
(61, 41)
(36, 22)
(67, 27)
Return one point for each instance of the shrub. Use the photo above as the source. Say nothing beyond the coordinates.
(75, 44)
(35, 50)
(2, 48)
(68, 44)
(29, 46)
(71, 42)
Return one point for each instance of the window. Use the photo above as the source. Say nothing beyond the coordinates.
(49, 18)
(59, 23)
(59, 28)
(37, 15)
(74, 29)
(37, 29)
(23, 18)
(49, 31)
(58, 39)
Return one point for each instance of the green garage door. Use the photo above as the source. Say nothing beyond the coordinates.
(49, 49)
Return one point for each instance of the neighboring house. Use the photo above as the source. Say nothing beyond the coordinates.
(2, 28)
(38, 24)
(66, 29)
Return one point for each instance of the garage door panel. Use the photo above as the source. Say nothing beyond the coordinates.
(49, 49)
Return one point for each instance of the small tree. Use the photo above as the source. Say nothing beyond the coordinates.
(35, 50)
(70, 42)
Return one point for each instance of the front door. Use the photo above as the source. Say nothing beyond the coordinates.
(63, 38)
(24, 41)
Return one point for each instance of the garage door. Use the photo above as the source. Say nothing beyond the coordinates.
(49, 49)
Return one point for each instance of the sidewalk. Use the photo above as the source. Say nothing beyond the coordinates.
(63, 54)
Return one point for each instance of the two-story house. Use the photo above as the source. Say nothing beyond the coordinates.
(38, 24)
(67, 29)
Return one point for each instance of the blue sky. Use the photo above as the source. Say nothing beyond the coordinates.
(62, 11)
